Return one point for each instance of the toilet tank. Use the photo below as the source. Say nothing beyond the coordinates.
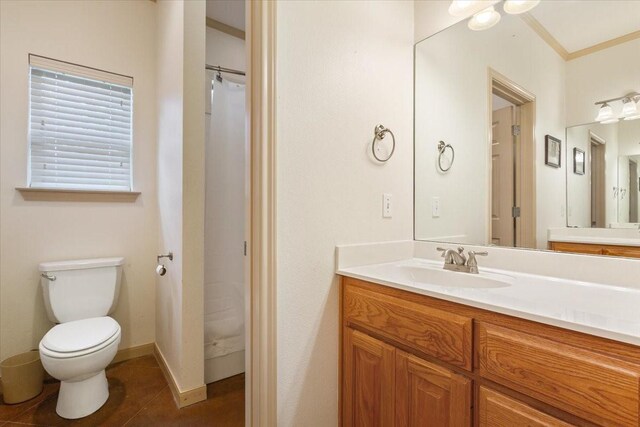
(80, 289)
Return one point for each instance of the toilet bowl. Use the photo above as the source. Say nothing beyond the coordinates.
(79, 295)
(77, 353)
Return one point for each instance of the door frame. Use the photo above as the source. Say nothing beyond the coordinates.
(600, 143)
(525, 155)
(260, 363)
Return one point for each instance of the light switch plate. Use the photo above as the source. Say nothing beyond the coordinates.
(435, 207)
(387, 205)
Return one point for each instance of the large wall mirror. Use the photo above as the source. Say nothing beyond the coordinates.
(529, 126)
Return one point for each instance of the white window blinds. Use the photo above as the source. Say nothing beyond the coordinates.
(80, 127)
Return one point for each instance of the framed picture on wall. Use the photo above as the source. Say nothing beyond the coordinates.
(552, 151)
(578, 161)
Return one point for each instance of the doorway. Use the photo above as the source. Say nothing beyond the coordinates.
(597, 149)
(512, 164)
(633, 191)
(227, 212)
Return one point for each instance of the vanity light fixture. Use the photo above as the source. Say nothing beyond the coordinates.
(516, 7)
(629, 109)
(484, 20)
(605, 115)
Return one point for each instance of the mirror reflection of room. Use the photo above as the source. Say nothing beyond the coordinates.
(541, 110)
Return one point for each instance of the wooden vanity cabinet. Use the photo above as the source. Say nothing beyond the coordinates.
(369, 381)
(385, 386)
(412, 360)
(596, 249)
(428, 395)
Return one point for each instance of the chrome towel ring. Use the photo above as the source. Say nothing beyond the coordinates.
(442, 147)
(378, 134)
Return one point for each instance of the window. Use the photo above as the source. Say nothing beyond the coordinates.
(80, 127)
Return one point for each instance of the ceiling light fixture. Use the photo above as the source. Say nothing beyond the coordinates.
(484, 20)
(630, 110)
(462, 8)
(516, 7)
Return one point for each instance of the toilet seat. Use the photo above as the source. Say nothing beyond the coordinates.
(80, 337)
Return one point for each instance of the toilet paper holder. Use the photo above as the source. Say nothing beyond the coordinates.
(169, 255)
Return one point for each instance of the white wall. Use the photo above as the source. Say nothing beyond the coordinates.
(451, 105)
(180, 64)
(343, 67)
(170, 169)
(225, 50)
(602, 75)
(97, 34)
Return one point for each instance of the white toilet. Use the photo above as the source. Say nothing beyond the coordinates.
(79, 295)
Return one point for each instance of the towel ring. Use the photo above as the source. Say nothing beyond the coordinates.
(378, 134)
(442, 146)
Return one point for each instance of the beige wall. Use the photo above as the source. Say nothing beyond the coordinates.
(225, 50)
(342, 68)
(179, 320)
(601, 75)
(96, 34)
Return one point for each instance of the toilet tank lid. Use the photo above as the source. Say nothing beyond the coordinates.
(81, 264)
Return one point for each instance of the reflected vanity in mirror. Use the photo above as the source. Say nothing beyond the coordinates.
(542, 111)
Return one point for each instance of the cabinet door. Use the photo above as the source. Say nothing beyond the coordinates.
(429, 395)
(498, 410)
(368, 381)
(623, 251)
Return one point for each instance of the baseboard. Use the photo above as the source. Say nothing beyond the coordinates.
(133, 352)
(181, 398)
(121, 356)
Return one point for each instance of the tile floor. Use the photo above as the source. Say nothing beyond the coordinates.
(139, 396)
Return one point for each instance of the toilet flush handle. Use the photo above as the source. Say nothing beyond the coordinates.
(49, 277)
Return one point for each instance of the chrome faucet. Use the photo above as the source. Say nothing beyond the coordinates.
(457, 261)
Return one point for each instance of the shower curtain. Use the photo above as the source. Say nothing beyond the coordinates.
(224, 230)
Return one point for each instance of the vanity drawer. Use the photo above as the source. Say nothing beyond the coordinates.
(443, 335)
(498, 410)
(592, 386)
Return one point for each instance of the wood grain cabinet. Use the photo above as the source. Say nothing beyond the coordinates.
(409, 360)
(596, 249)
(498, 410)
(369, 381)
(428, 395)
(384, 386)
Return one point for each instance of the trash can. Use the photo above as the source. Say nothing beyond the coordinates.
(22, 377)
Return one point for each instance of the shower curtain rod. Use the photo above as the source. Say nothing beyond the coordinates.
(223, 69)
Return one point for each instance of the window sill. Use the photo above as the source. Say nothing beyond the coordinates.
(62, 195)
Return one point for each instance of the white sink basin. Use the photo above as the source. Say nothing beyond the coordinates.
(454, 279)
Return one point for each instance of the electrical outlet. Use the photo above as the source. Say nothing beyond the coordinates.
(435, 207)
(386, 205)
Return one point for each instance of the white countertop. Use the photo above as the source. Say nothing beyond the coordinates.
(598, 309)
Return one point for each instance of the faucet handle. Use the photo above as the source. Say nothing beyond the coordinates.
(484, 253)
(473, 263)
(460, 250)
